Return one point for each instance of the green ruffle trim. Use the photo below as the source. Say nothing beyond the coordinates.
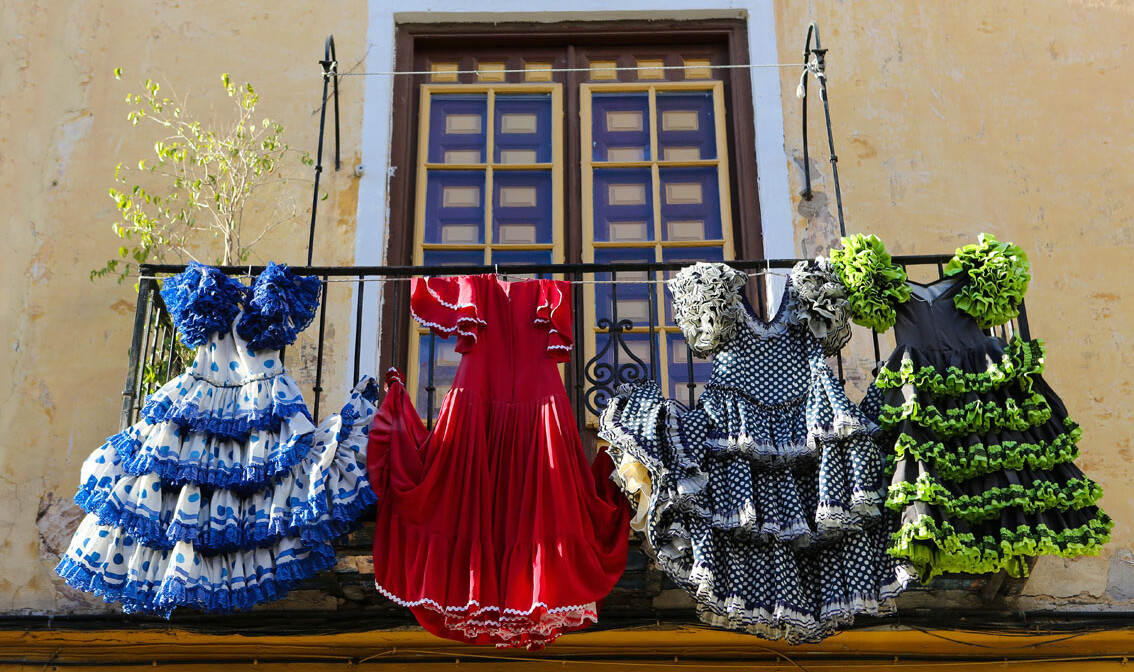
(956, 552)
(998, 279)
(1021, 358)
(875, 285)
(1075, 494)
(977, 416)
(962, 462)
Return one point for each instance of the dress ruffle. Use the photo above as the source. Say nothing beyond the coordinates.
(874, 283)
(997, 280)
(232, 412)
(201, 301)
(984, 497)
(707, 305)
(765, 499)
(819, 303)
(955, 372)
(1043, 447)
(937, 545)
(109, 562)
(448, 306)
(281, 304)
(319, 498)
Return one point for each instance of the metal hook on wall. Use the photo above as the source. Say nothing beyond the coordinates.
(816, 60)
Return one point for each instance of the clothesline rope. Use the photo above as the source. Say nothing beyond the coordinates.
(541, 70)
(505, 277)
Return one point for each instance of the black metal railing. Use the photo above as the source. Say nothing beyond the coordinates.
(593, 373)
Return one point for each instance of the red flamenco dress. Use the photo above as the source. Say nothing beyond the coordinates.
(493, 529)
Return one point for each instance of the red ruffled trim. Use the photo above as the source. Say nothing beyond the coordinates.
(554, 313)
(447, 306)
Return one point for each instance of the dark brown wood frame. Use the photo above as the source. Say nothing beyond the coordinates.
(412, 39)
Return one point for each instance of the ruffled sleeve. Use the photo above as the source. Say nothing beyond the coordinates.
(819, 303)
(448, 306)
(554, 314)
(282, 305)
(997, 280)
(707, 305)
(201, 301)
(874, 284)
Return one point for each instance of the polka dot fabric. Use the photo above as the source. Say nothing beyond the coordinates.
(224, 494)
(765, 498)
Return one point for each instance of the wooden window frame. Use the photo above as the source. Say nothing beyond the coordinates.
(411, 40)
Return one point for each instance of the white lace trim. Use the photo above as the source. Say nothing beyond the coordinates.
(443, 302)
(448, 330)
(559, 347)
(436, 606)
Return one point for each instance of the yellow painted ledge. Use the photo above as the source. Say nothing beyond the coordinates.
(651, 647)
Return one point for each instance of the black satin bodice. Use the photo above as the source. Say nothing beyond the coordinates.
(930, 321)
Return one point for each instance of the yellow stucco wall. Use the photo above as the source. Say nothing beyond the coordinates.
(62, 129)
(951, 118)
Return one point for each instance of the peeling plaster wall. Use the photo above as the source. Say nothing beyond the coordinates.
(62, 129)
(1011, 118)
(950, 119)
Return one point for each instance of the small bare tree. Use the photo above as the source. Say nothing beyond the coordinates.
(190, 199)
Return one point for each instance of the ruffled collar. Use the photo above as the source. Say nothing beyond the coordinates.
(994, 279)
(279, 304)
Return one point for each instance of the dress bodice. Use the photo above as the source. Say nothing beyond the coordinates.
(512, 335)
(930, 320)
(227, 361)
(766, 362)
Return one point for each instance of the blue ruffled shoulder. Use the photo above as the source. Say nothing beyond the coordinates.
(202, 301)
(282, 304)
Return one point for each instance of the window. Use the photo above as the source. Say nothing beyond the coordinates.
(652, 191)
(547, 143)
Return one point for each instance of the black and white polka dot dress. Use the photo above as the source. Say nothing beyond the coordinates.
(764, 500)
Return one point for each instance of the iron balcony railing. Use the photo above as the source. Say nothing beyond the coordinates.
(592, 374)
(329, 354)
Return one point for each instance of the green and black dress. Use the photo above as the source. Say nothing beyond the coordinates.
(982, 449)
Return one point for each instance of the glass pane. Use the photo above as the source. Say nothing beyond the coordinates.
(626, 359)
(691, 205)
(686, 130)
(677, 361)
(454, 207)
(620, 127)
(445, 358)
(453, 258)
(689, 255)
(503, 257)
(523, 129)
(521, 208)
(633, 289)
(456, 128)
(623, 205)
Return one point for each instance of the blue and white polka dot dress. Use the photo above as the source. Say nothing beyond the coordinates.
(764, 500)
(225, 493)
